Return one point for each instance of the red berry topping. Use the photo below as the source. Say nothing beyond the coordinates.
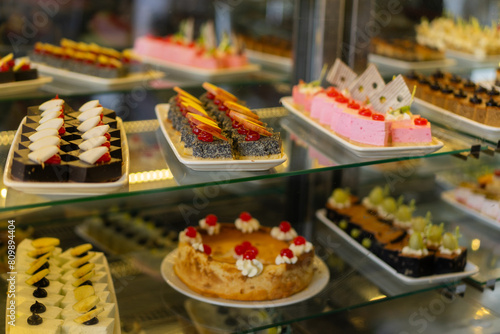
(62, 130)
(365, 112)
(254, 250)
(210, 96)
(245, 216)
(332, 92)
(196, 131)
(4, 68)
(191, 232)
(285, 226)
(242, 131)
(108, 136)
(205, 136)
(217, 101)
(378, 117)
(353, 105)
(341, 99)
(211, 220)
(206, 249)
(240, 249)
(222, 107)
(420, 121)
(106, 157)
(237, 125)
(54, 160)
(106, 144)
(246, 244)
(252, 136)
(286, 252)
(249, 255)
(299, 241)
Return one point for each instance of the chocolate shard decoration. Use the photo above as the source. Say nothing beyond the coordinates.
(367, 84)
(394, 95)
(340, 75)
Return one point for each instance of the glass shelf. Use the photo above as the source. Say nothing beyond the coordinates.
(155, 169)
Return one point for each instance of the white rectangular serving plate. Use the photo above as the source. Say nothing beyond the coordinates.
(470, 268)
(198, 72)
(91, 80)
(18, 87)
(410, 65)
(67, 188)
(457, 122)
(365, 151)
(231, 165)
(279, 62)
(449, 197)
(474, 58)
(118, 327)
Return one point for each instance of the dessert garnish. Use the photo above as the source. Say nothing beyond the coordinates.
(83, 270)
(37, 307)
(376, 197)
(95, 155)
(286, 256)
(86, 304)
(420, 223)
(210, 224)
(83, 280)
(190, 235)
(82, 261)
(38, 266)
(434, 234)
(249, 265)
(378, 117)
(340, 198)
(37, 252)
(389, 207)
(450, 243)
(416, 246)
(403, 216)
(81, 250)
(420, 121)
(38, 277)
(35, 320)
(83, 292)
(44, 133)
(239, 250)
(283, 232)
(89, 105)
(246, 223)
(50, 104)
(87, 318)
(475, 100)
(44, 154)
(300, 245)
(40, 293)
(460, 94)
(491, 103)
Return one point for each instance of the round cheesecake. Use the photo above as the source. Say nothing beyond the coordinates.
(216, 274)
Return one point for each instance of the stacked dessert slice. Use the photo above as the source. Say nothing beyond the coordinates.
(411, 245)
(62, 292)
(58, 144)
(219, 126)
(16, 70)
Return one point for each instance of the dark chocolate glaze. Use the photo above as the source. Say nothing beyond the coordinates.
(87, 283)
(475, 100)
(460, 94)
(491, 103)
(446, 90)
(493, 92)
(438, 74)
(43, 283)
(83, 254)
(435, 86)
(480, 90)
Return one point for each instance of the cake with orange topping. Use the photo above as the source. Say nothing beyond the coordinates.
(244, 260)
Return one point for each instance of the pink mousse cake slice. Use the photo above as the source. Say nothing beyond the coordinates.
(417, 132)
(369, 128)
(342, 116)
(303, 94)
(320, 104)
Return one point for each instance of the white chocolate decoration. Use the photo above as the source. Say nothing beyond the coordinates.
(48, 111)
(51, 104)
(298, 250)
(198, 246)
(89, 124)
(92, 142)
(89, 105)
(44, 133)
(277, 233)
(249, 268)
(48, 116)
(97, 131)
(54, 123)
(184, 238)
(90, 113)
(43, 154)
(45, 141)
(211, 230)
(92, 155)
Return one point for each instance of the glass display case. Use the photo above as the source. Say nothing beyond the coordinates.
(288, 40)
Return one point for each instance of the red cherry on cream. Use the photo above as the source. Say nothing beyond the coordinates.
(285, 226)
(378, 117)
(239, 249)
(299, 241)
(211, 220)
(245, 216)
(249, 255)
(286, 252)
(246, 244)
(191, 232)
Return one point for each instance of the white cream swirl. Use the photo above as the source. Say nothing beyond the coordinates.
(337, 205)
(211, 230)
(184, 238)
(285, 259)
(198, 246)
(407, 250)
(277, 233)
(247, 226)
(445, 250)
(368, 204)
(249, 268)
(298, 250)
